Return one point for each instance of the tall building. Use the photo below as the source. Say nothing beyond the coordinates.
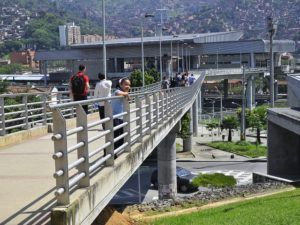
(69, 34)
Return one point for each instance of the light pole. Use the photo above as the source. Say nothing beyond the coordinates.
(272, 27)
(190, 47)
(142, 43)
(243, 130)
(103, 39)
(178, 57)
(221, 103)
(174, 36)
(160, 36)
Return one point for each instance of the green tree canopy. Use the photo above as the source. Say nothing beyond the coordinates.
(230, 123)
(258, 120)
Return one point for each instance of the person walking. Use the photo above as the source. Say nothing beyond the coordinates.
(102, 90)
(123, 88)
(79, 86)
(165, 83)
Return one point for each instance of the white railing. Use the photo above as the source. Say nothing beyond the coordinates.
(142, 116)
(26, 110)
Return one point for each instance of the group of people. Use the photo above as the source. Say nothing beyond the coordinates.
(79, 86)
(179, 80)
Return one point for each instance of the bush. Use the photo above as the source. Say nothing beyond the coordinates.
(214, 180)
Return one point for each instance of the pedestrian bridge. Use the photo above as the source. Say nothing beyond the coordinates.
(85, 179)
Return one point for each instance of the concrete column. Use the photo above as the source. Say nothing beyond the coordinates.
(275, 90)
(249, 92)
(225, 88)
(200, 102)
(155, 63)
(166, 165)
(253, 92)
(115, 65)
(187, 142)
(195, 118)
(252, 60)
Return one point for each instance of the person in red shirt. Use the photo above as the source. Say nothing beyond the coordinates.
(79, 90)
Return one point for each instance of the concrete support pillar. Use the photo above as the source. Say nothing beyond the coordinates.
(195, 118)
(166, 165)
(225, 88)
(253, 92)
(156, 63)
(252, 60)
(187, 142)
(115, 65)
(200, 102)
(249, 92)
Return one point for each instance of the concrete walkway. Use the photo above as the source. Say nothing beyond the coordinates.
(27, 185)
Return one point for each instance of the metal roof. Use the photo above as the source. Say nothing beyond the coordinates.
(195, 38)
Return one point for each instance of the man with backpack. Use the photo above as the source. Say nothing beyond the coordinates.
(79, 86)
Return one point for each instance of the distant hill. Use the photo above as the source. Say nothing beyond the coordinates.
(124, 17)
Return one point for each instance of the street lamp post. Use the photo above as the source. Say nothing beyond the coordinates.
(243, 127)
(221, 103)
(142, 43)
(178, 57)
(174, 36)
(272, 27)
(103, 39)
(160, 37)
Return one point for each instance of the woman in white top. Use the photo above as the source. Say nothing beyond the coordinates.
(102, 90)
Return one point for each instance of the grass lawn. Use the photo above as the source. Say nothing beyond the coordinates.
(240, 148)
(278, 209)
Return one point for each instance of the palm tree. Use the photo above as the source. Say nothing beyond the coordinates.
(230, 123)
(258, 120)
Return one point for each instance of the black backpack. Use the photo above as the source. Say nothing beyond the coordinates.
(78, 84)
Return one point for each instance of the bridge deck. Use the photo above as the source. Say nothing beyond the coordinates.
(27, 185)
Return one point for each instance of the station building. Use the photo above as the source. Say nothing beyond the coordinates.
(179, 53)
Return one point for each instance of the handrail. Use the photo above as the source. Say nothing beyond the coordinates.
(31, 109)
(142, 116)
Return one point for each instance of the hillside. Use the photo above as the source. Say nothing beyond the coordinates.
(123, 17)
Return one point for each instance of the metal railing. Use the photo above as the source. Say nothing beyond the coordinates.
(26, 110)
(231, 71)
(141, 116)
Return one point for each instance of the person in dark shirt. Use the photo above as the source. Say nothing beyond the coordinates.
(84, 94)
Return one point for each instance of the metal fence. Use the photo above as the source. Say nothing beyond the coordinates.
(141, 116)
(26, 110)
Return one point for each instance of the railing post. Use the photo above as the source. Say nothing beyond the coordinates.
(139, 122)
(155, 110)
(44, 96)
(25, 114)
(126, 118)
(2, 114)
(148, 117)
(61, 163)
(161, 106)
(109, 125)
(82, 136)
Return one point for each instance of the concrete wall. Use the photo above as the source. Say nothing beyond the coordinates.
(283, 151)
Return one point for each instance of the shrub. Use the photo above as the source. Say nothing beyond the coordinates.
(213, 180)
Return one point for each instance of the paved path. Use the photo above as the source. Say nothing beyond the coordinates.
(27, 185)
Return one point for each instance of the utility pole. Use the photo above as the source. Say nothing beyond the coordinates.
(103, 39)
(243, 122)
(272, 27)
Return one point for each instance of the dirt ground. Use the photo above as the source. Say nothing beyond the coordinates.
(110, 216)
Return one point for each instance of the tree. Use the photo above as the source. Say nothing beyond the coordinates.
(185, 126)
(136, 78)
(3, 86)
(258, 120)
(11, 69)
(230, 123)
